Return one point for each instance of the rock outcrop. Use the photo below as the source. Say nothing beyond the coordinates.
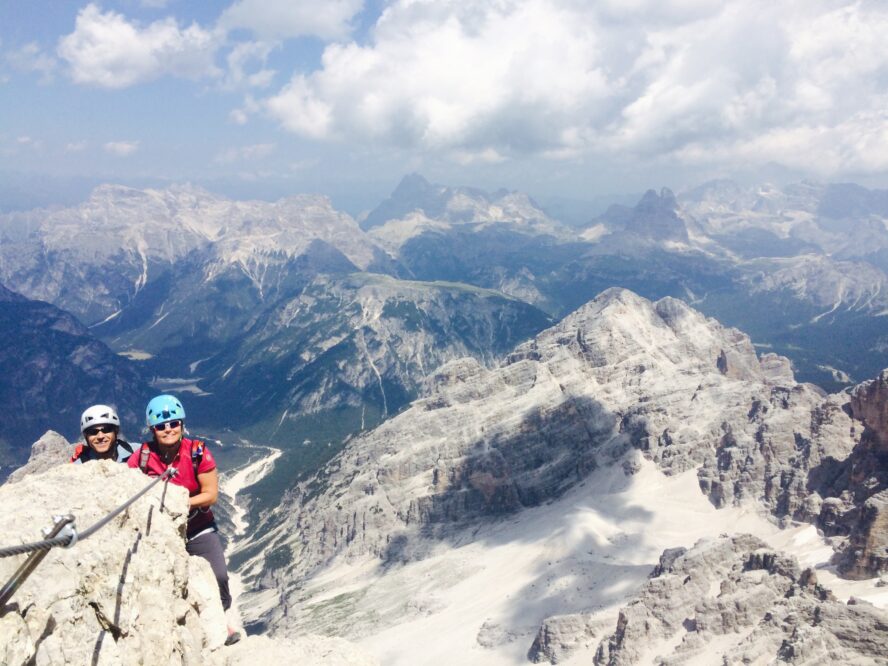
(852, 494)
(47, 452)
(733, 600)
(129, 593)
(562, 634)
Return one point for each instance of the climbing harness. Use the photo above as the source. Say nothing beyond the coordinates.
(62, 533)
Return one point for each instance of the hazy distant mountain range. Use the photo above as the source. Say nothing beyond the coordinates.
(306, 310)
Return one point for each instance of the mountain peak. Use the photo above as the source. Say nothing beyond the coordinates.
(655, 216)
(411, 185)
(651, 202)
(665, 337)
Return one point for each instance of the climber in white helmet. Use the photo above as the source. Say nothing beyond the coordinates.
(100, 427)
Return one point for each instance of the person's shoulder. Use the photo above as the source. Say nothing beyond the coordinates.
(124, 451)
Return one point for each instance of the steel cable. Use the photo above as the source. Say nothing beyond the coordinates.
(73, 536)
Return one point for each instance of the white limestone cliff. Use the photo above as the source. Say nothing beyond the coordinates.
(128, 594)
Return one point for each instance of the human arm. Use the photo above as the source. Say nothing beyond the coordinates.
(209, 490)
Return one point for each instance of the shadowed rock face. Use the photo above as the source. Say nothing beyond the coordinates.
(859, 488)
(735, 600)
(52, 368)
(655, 217)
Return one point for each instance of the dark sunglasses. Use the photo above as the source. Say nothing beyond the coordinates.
(163, 426)
(95, 430)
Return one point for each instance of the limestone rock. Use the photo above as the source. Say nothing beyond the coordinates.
(856, 488)
(868, 403)
(50, 450)
(733, 600)
(492, 635)
(126, 594)
(559, 635)
(866, 554)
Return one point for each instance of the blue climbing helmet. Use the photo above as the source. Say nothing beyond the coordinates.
(163, 408)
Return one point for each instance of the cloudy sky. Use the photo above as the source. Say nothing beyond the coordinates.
(554, 97)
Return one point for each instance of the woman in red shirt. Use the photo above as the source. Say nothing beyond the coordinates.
(197, 472)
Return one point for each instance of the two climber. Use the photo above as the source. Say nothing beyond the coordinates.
(168, 447)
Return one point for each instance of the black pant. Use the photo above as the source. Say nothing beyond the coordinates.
(209, 547)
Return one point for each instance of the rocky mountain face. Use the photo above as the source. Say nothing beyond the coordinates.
(621, 373)
(362, 343)
(856, 490)
(654, 218)
(620, 377)
(417, 204)
(96, 258)
(129, 593)
(52, 369)
(500, 240)
(842, 220)
(735, 600)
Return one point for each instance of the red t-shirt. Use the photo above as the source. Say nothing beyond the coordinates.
(198, 519)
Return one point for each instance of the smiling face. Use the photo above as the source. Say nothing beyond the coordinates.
(170, 435)
(101, 439)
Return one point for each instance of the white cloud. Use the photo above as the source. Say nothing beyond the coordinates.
(795, 82)
(249, 153)
(281, 19)
(238, 117)
(30, 58)
(121, 148)
(242, 115)
(107, 50)
(240, 59)
(25, 142)
(75, 147)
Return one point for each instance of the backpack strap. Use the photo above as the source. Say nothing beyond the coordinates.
(78, 451)
(144, 452)
(197, 451)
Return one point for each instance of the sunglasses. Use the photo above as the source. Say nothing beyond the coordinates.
(172, 425)
(95, 430)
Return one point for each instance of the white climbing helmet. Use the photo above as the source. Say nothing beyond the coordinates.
(99, 415)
